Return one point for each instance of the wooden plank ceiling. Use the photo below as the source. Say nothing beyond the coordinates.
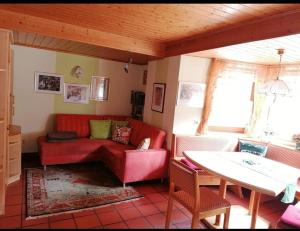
(263, 52)
(145, 31)
(50, 43)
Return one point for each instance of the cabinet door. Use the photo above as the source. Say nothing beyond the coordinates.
(14, 158)
(5, 37)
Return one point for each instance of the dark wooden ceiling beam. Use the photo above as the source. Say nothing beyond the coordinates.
(275, 26)
(27, 23)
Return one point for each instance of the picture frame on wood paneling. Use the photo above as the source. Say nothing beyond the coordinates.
(99, 88)
(191, 94)
(76, 93)
(158, 97)
(48, 82)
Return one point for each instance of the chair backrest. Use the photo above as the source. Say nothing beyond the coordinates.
(183, 177)
(182, 143)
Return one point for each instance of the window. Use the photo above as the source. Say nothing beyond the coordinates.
(285, 112)
(232, 104)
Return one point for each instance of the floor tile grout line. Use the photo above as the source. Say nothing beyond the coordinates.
(149, 215)
(98, 219)
(121, 217)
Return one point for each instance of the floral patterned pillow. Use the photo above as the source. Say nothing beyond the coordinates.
(121, 134)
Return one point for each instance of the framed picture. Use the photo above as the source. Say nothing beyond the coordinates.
(191, 94)
(48, 82)
(99, 88)
(76, 93)
(158, 97)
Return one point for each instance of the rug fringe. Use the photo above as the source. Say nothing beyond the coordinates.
(80, 210)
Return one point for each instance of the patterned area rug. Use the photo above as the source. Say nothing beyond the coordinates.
(63, 188)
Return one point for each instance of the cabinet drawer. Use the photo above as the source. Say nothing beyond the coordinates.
(14, 151)
(14, 139)
(14, 167)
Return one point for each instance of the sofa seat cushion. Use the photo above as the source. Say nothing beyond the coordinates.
(291, 216)
(113, 156)
(117, 149)
(80, 150)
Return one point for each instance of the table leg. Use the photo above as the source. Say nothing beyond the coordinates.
(256, 200)
(222, 192)
(251, 202)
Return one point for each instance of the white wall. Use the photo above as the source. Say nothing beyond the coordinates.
(148, 93)
(120, 86)
(32, 113)
(192, 69)
(166, 71)
(171, 96)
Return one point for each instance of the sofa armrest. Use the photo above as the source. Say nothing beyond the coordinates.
(149, 155)
(145, 164)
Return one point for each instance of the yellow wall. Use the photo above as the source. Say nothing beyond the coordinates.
(64, 65)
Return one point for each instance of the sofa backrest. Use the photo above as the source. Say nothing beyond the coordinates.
(80, 123)
(284, 155)
(141, 130)
(182, 143)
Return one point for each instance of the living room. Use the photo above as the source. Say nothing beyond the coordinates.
(171, 77)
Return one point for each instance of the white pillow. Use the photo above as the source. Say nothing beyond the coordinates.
(144, 145)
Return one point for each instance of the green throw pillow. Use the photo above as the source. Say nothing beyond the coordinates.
(257, 149)
(100, 129)
(114, 123)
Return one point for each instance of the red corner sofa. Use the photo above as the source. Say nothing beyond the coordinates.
(125, 161)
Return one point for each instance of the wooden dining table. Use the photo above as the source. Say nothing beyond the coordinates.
(258, 174)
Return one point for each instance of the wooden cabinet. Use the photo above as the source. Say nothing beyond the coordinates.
(5, 71)
(14, 154)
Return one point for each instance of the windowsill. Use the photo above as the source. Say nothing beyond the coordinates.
(275, 141)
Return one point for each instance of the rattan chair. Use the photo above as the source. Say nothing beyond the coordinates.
(200, 201)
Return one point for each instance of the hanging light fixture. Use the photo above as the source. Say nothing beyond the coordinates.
(127, 65)
(276, 87)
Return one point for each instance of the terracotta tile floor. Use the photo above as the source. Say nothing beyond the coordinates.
(148, 212)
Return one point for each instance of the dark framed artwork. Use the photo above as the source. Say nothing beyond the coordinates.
(48, 82)
(158, 97)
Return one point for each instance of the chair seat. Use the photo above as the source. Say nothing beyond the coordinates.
(209, 200)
